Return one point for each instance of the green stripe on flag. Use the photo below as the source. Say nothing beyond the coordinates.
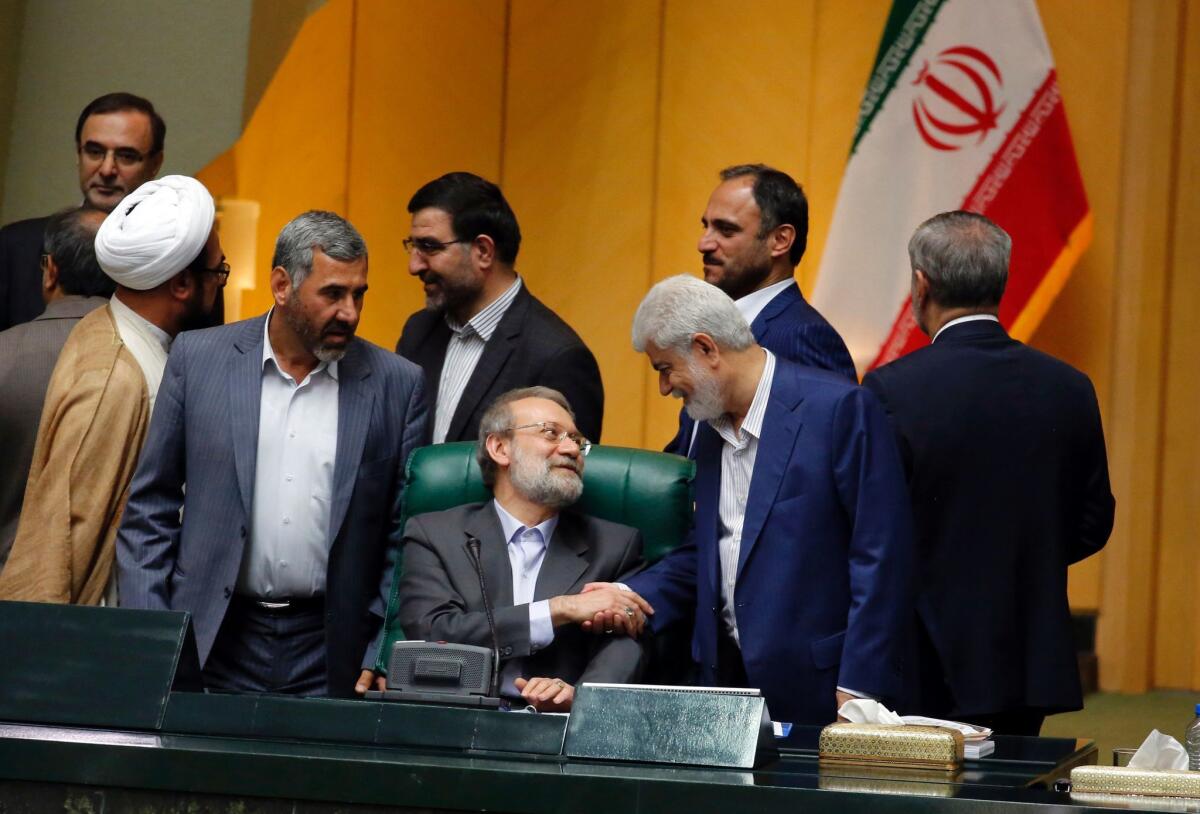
(902, 35)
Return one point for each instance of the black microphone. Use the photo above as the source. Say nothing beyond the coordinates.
(473, 547)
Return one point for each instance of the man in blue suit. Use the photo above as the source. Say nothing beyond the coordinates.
(755, 233)
(1005, 457)
(291, 436)
(797, 570)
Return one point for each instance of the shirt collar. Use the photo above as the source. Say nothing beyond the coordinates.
(752, 423)
(968, 318)
(752, 304)
(269, 354)
(486, 321)
(144, 325)
(513, 527)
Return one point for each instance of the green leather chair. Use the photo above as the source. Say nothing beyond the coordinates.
(651, 491)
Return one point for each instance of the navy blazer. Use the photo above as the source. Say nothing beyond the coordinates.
(792, 329)
(531, 346)
(823, 588)
(1005, 458)
(204, 432)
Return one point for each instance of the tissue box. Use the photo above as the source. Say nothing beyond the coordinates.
(1145, 782)
(916, 747)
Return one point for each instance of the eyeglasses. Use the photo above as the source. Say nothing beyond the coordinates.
(555, 434)
(428, 246)
(124, 156)
(222, 272)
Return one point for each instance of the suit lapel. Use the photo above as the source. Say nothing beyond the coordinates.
(245, 396)
(776, 306)
(494, 358)
(355, 401)
(484, 526)
(781, 427)
(708, 494)
(565, 559)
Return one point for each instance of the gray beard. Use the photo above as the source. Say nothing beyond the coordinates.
(534, 479)
(705, 403)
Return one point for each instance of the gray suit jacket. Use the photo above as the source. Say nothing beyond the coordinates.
(440, 597)
(204, 432)
(27, 355)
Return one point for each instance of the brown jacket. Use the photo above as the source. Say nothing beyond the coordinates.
(93, 424)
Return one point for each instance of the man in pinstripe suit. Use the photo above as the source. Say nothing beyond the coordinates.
(291, 436)
(755, 232)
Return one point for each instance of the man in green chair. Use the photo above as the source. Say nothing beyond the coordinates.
(535, 557)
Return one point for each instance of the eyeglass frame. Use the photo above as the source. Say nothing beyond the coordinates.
(222, 272)
(410, 245)
(125, 156)
(576, 437)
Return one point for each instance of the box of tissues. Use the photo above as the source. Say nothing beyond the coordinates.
(904, 746)
(1157, 769)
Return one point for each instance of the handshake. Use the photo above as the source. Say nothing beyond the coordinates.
(602, 608)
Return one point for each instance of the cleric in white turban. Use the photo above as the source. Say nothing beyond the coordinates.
(160, 245)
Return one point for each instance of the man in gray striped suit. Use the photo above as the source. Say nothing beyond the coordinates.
(291, 435)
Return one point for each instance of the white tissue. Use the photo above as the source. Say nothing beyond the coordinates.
(867, 711)
(1159, 751)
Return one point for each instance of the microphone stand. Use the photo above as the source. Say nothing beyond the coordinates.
(473, 547)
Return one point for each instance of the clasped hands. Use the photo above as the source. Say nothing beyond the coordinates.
(603, 608)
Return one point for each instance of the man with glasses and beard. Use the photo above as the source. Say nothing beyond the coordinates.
(161, 249)
(536, 557)
(291, 436)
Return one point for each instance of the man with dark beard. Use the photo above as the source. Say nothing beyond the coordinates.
(755, 233)
(536, 556)
(161, 248)
(482, 332)
(291, 436)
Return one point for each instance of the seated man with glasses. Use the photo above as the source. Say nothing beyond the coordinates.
(535, 555)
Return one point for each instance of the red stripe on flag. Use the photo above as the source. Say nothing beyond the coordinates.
(1033, 190)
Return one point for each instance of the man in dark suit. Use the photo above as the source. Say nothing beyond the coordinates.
(1005, 458)
(291, 436)
(535, 558)
(72, 286)
(797, 572)
(755, 233)
(119, 146)
(482, 333)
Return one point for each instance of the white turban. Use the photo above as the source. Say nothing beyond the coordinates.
(155, 232)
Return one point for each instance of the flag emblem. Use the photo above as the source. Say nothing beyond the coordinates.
(957, 101)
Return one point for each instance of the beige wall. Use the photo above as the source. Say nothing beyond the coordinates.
(12, 20)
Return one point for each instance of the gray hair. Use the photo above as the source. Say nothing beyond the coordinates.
(71, 240)
(679, 307)
(965, 256)
(316, 229)
(498, 418)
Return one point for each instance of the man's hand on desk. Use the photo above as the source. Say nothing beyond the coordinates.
(546, 694)
(366, 678)
(602, 607)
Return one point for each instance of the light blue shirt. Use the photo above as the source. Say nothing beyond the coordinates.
(287, 554)
(526, 553)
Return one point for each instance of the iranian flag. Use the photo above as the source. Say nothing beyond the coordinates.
(962, 111)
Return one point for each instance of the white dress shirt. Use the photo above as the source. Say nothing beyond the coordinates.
(752, 304)
(463, 352)
(968, 318)
(148, 343)
(526, 553)
(288, 551)
(738, 454)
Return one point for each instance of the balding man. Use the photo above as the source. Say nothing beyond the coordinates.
(1004, 453)
(118, 146)
(72, 286)
(161, 249)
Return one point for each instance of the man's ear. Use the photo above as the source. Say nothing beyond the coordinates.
(920, 286)
(497, 446)
(182, 284)
(483, 251)
(705, 349)
(49, 274)
(281, 285)
(781, 239)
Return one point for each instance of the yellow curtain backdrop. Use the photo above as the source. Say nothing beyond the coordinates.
(606, 124)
